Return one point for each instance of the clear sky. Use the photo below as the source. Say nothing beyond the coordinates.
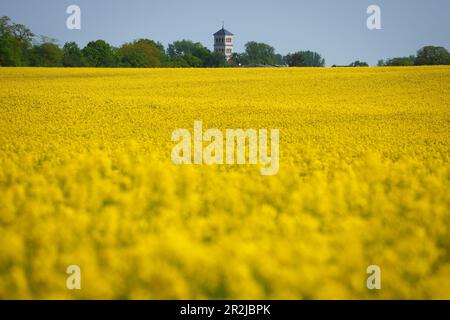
(335, 28)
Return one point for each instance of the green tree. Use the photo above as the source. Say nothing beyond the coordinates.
(358, 63)
(305, 59)
(280, 59)
(46, 55)
(431, 55)
(296, 59)
(257, 53)
(400, 61)
(72, 55)
(178, 62)
(142, 53)
(164, 58)
(186, 53)
(215, 59)
(15, 43)
(99, 54)
(193, 61)
(182, 48)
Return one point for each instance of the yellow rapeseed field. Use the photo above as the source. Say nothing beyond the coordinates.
(86, 179)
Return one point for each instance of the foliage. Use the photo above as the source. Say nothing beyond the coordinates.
(99, 53)
(186, 53)
(46, 55)
(428, 55)
(15, 41)
(72, 55)
(358, 63)
(142, 53)
(16, 49)
(305, 59)
(431, 55)
(400, 61)
(257, 53)
(214, 60)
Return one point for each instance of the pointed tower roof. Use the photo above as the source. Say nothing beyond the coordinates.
(223, 32)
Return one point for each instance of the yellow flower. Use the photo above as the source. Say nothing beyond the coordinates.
(86, 179)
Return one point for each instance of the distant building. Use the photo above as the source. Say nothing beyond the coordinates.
(223, 42)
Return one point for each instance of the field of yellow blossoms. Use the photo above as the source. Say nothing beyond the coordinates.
(86, 179)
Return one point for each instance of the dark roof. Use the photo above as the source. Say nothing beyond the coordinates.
(223, 32)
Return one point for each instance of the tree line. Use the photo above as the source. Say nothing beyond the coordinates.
(428, 55)
(18, 47)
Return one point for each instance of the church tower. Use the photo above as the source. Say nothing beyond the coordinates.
(223, 42)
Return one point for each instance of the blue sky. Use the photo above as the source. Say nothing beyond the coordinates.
(336, 29)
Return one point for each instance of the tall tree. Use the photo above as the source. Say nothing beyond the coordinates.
(46, 55)
(142, 53)
(295, 59)
(305, 59)
(15, 43)
(258, 53)
(72, 55)
(99, 54)
(431, 55)
(183, 48)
